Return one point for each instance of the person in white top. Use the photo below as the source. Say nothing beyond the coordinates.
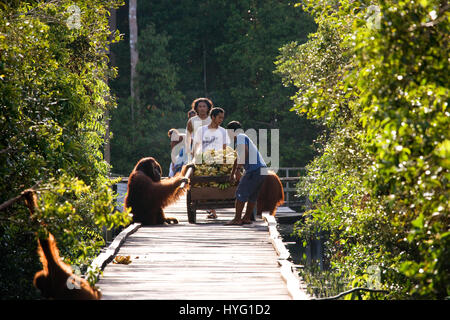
(211, 137)
(177, 154)
(202, 106)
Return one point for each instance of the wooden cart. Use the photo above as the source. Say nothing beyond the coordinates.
(208, 197)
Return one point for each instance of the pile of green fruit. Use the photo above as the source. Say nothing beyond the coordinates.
(215, 163)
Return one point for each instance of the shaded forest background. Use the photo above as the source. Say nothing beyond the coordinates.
(224, 50)
(370, 76)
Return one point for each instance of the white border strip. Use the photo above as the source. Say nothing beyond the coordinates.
(286, 267)
(106, 257)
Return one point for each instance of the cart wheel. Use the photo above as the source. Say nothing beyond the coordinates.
(191, 208)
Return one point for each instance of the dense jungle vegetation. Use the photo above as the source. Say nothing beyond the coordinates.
(358, 90)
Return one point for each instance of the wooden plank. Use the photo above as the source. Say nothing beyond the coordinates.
(214, 204)
(205, 261)
(108, 255)
(287, 271)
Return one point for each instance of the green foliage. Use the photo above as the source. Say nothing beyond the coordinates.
(231, 44)
(407, 126)
(321, 92)
(75, 213)
(380, 186)
(248, 87)
(157, 76)
(53, 95)
(158, 108)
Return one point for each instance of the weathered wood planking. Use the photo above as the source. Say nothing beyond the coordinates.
(206, 261)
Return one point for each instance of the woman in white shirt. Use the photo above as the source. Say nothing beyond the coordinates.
(202, 106)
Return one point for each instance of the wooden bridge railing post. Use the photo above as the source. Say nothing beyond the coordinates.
(287, 185)
(289, 180)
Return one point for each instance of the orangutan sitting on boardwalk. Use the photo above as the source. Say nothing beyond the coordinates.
(148, 195)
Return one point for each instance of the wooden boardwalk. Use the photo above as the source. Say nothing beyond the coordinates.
(204, 261)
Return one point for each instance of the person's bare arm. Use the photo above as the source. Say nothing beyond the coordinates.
(233, 171)
(195, 148)
(190, 129)
(236, 171)
(189, 126)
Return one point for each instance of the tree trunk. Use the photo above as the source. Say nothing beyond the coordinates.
(133, 53)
